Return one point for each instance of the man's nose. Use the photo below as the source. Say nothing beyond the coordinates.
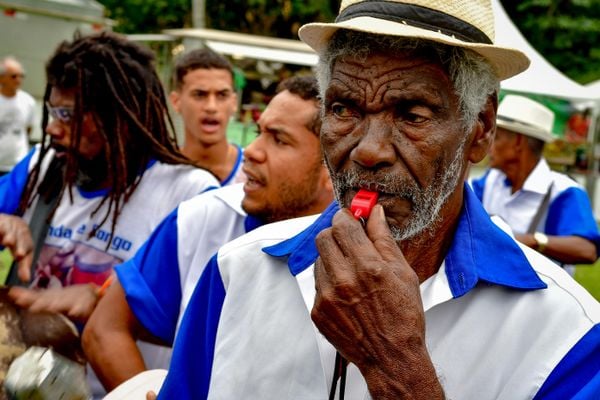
(55, 129)
(375, 148)
(255, 152)
(211, 102)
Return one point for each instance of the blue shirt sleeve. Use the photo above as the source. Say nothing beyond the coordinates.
(571, 214)
(13, 184)
(577, 376)
(151, 281)
(191, 362)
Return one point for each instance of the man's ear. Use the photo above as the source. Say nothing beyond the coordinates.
(174, 98)
(484, 130)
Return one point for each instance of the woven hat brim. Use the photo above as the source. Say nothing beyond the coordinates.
(506, 61)
(526, 130)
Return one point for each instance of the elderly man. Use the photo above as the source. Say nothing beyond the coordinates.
(546, 210)
(429, 299)
(286, 179)
(17, 114)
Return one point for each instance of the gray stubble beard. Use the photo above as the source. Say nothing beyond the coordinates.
(426, 203)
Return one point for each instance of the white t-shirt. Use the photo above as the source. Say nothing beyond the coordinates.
(16, 116)
(70, 256)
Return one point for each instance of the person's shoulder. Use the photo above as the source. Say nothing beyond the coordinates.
(268, 234)
(223, 199)
(563, 182)
(564, 294)
(26, 97)
(181, 174)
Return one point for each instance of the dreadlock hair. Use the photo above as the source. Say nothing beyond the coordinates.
(115, 83)
(307, 88)
(195, 59)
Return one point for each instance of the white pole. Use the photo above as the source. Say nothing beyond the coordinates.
(199, 13)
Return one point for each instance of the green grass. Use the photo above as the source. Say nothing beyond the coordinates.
(589, 277)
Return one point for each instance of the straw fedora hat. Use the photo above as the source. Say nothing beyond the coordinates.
(461, 23)
(525, 116)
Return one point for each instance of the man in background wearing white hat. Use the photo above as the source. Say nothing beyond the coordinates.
(425, 299)
(546, 210)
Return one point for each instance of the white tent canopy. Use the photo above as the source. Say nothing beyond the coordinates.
(541, 77)
(594, 86)
(241, 45)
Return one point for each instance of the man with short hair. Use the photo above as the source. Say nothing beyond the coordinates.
(17, 114)
(205, 97)
(546, 210)
(286, 179)
(425, 299)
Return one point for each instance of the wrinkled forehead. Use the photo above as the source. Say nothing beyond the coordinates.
(381, 72)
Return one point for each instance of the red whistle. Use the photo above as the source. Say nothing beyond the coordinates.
(362, 203)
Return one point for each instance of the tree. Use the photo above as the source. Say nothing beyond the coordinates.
(565, 32)
(279, 18)
(143, 16)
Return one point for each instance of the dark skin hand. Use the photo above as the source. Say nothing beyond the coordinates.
(357, 269)
(76, 302)
(16, 236)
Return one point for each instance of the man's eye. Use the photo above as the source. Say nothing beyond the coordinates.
(278, 140)
(340, 110)
(415, 118)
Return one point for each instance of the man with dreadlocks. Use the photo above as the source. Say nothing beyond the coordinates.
(111, 163)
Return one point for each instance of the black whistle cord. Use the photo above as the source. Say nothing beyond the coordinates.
(339, 372)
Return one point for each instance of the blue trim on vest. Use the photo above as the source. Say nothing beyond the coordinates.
(151, 280)
(480, 251)
(577, 376)
(251, 223)
(234, 171)
(189, 376)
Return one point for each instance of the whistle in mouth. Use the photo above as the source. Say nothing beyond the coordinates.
(362, 203)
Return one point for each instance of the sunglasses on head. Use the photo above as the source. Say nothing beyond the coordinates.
(63, 114)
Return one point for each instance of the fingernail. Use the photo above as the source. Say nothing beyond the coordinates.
(380, 212)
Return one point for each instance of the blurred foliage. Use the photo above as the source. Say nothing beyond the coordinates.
(566, 32)
(143, 16)
(279, 18)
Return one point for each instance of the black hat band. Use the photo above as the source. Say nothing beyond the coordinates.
(417, 16)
